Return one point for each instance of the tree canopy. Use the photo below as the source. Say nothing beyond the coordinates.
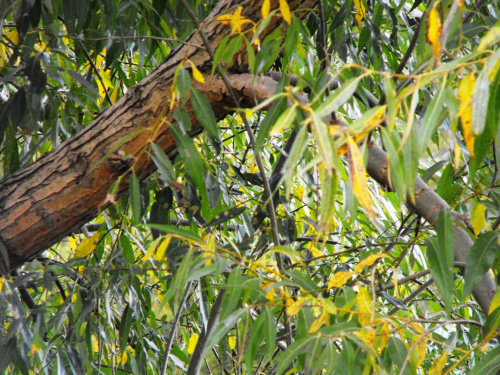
(249, 186)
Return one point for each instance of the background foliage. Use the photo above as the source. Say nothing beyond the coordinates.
(358, 284)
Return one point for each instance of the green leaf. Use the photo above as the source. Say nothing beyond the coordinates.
(328, 195)
(226, 215)
(292, 352)
(204, 113)
(269, 52)
(338, 97)
(178, 232)
(291, 40)
(489, 365)
(232, 293)
(218, 53)
(269, 330)
(479, 260)
(491, 324)
(440, 256)
(191, 158)
(272, 115)
(232, 47)
(480, 106)
(124, 329)
(432, 118)
(135, 199)
(163, 164)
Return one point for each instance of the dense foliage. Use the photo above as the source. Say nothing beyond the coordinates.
(186, 268)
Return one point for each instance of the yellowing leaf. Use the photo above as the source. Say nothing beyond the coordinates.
(367, 334)
(225, 19)
(491, 37)
(360, 12)
(266, 7)
(364, 302)
(124, 357)
(369, 261)
(421, 349)
(318, 322)
(295, 307)
(160, 252)
(495, 302)
(438, 364)
(232, 342)
(87, 246)
(386, 334)
(151, 249)
(196, 73)
(1, 283)
(434, 32)
(237, 21)
(357, 176)
(285, 11)
(114, 94)
(466, 97)
(193, 340)
(478, 219)
(95, 343)
(339, 279)
(12, 36)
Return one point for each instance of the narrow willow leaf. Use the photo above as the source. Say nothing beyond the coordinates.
(466, 97)
(204, 113)
(135, 198)
(177, 232)
(225, 216)
(328, 194)
(291, 353)
(219, 52)
(360, 12)
(190, 156)
(491, 325)
(434, 32)
(324, 141)
(284, 121)
(163, 164)
(266, 7)
(285, 11)
(193, 340)
(357, 176)
(478, 218)
(479, 260)
(124, 328)
(272, 115)
(196, 73)
(338, 97)
(480, 108)
(432, 118)
(491, 37)
(440, 257)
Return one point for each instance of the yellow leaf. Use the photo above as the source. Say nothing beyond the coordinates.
(360, 12)
(329, 306)
(225, 19)
(87, 246)
(236, 21)
(369, 261)
(295, 307)
(466, 97)
(232, 342)
(266, 7)
(196, 73)
(478, 219)
(318, 322)
(495, 302)
(434, 32)
(386, 334)
(72, 243)
(460, 3)
(357, 176)
(193, 340)
(151, 249)
(421, 349)
(367, 334)
(364, 302)
(1, 283)
(160, 252)
(438, 364)
(12, 36)
(285, 11)
(95, 343)
(339, 279)
(491, 37)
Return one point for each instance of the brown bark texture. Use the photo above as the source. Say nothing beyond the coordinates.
(53, 197)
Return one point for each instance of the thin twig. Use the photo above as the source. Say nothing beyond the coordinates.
(163, 370)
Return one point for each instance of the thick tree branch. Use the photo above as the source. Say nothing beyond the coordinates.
(50, 199)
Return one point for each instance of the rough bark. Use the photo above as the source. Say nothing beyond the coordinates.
(50, 199)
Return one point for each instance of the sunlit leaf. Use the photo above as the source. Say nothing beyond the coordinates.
(367, 262)
(193, 340)
(285, 11)
(360, 12)
(339, 279)
(478, 218)
(466, 97)
(434, 32)
(87, 246)
(266, 7)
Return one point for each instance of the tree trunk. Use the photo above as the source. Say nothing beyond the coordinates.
(45, 202)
